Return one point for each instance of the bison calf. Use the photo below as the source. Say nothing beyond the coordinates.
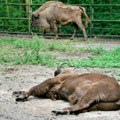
(85, 92)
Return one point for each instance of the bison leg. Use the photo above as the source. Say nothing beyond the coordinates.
(55, 29)
(44, 33)
(40, 90)
(80, 25)
(46, 28)
(107, 106)
(94, 94)
(52, 94)
(79, 107)
(75, 30)
(73, 99)
(20, 95)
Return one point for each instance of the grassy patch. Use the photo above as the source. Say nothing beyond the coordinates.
(38, 51)
(107, 59)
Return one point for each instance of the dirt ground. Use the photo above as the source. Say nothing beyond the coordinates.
(23, 77)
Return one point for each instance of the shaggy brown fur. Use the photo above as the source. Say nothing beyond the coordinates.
(47, 4)
(53, 12)
(85, 92)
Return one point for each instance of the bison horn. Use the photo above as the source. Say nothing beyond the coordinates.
(58, 71)
(30, 12)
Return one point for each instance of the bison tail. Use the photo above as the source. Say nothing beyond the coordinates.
(86, 16)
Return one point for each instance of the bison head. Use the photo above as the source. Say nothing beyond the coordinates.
(40, 22)
(35, 20)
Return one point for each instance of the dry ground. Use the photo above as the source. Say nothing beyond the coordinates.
(25, 76)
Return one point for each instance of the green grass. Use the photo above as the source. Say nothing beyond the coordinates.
(38, 51)
(107, 59)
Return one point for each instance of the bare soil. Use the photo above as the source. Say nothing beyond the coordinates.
(22, 77)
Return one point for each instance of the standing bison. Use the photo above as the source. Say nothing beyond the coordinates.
(52, 13)
(85, 92)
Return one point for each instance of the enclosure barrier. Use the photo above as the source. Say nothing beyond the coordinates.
(16, 18)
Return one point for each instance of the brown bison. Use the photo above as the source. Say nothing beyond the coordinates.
(85, 92)
(53, 12)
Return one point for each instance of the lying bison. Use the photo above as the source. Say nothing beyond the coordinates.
(85, 92)
(53, 12)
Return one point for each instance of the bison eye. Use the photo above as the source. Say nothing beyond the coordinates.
(35, 17)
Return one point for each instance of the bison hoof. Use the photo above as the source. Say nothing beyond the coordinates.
(20, 99)
(59, 112)
(19, 96)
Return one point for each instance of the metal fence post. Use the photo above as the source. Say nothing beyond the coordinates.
(7, 8)
(28, 10)
(91, 18)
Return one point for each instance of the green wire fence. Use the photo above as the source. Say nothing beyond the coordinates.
(104, 18)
